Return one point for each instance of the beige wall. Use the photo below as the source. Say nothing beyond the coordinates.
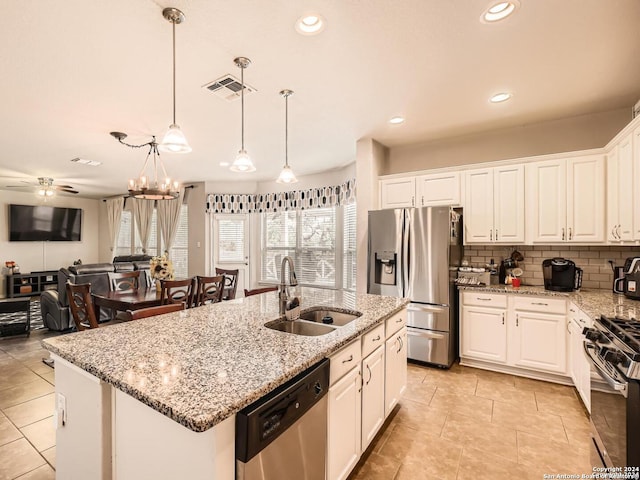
(38, 256)
(198, 230)
(564, 135)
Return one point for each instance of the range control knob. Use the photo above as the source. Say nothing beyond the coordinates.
(592, 334)
(614, 357)
(318, 388)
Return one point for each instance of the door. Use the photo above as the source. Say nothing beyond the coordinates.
(438, 189)
(395, 369)
(397, 192)
(385, 251)
(613, 195)
(585, 199)
(547, 187)
(478, 206)
(231, 246)
(372, 395)
(624, 189)
(508, 203)
(429, 236)
(539, 341)
(483, 333)
(636, 182)
(344, 417)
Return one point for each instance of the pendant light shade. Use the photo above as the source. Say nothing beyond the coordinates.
(174, 140)
(286, 175)
(242, 163)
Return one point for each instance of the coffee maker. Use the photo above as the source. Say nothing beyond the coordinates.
(561, 275)
(632, 278)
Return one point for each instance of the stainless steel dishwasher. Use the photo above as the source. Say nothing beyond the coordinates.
(284, 434)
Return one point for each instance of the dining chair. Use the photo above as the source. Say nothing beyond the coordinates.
(124, 281)
(81, 306)
(258, 291)
(153, 311)
(176, 291)
(230, 282)
(209, 290)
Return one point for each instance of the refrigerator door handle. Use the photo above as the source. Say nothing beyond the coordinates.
(406, 232)
(401, 252)
(425, 334)
(412, 307)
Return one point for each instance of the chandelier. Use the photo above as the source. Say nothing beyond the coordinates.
(150, 187)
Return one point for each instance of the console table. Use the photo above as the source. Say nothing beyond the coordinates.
(31, 284)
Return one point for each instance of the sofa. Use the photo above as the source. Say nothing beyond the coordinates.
(55, 304)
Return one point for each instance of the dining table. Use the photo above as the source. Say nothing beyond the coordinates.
(126, 300)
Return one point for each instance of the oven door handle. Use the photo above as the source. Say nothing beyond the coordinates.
(621, 387)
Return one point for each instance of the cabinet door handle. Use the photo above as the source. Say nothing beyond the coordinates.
(376, 339)
(350, 359)
(503, 318)
(400, 345)
(618, 232)
(562, 233)
(413, 203)
(517, 320)
(370, 375)
(361, 381)
(568, 327)
(496, 234)
(399, 320)
(491, 235)
(570, 233)
(423, 200)
(540, 303)
(483, 299)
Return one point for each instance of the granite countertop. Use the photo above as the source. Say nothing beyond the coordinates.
(204, 364)
(593, 302)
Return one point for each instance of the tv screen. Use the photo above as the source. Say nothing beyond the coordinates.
(38, 223)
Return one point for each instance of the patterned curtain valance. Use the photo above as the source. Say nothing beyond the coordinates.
(332, 196)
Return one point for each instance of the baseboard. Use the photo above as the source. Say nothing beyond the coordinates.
(519, 372)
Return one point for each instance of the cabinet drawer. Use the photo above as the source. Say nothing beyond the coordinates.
(396, 322)
(540, 304)
(372, 340)
(480, 299)
(344, 360)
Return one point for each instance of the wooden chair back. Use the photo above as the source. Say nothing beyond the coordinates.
(81, 305)
(230, 282)
(209, 290)
(176, 291)
(124, 281)
(152, 311)
(258, 291)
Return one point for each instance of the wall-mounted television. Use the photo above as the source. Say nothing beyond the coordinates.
(40, 223)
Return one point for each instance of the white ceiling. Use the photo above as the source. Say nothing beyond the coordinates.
(72, 71)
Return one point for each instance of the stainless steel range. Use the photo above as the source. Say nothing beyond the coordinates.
(613, 347)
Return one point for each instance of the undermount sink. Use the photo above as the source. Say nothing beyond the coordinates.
(300, 327)
(330, 317)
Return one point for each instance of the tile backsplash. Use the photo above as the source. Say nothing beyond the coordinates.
(592, 259)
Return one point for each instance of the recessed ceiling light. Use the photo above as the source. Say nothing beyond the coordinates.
(500, 97)
(310, 24)
(499, 10)
(396, 120)
(224, 164)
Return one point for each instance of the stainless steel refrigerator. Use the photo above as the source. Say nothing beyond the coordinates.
(414, 253)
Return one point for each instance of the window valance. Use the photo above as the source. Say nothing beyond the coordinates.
(321, 197)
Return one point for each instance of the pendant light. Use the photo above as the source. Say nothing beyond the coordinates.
(243, 162)
(286, 175)
(174, 140)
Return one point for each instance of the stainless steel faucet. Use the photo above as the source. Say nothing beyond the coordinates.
(283, 295)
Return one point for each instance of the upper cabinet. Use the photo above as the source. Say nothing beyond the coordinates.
(421, 191)
(636, 183)
(566, 200)
(620, 174)
(494, 205)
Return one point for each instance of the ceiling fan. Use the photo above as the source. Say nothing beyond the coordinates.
(45, 187)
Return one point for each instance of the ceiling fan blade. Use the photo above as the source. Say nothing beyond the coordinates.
(66, 190)
(16, 186)
(63, 186)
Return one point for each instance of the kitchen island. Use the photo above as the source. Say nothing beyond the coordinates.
(157, 397)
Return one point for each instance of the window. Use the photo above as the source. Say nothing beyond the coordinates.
(231, 241)
(317, 240)
(129, 240)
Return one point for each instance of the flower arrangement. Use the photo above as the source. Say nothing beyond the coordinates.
(161, 267)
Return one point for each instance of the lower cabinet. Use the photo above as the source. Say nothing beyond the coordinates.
(345, 414)
(538, 341)
(578, 365)
(484, 333)
(395, 369)
(373, 375)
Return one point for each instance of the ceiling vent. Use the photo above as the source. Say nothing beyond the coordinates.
(84, 161)
(228, 87)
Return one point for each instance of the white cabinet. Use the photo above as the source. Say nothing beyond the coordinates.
(483, 327)
(438, 189)
(373, 375)
(539, 342)
(398, 192)
(579, 366)
(344, 425)
(395, 369)
(494, 205)
(636, 183)
(566, 200)
(428, 190)
(619, 187)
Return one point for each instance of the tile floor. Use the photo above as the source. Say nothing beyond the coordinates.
(462, 423)
(466, 423)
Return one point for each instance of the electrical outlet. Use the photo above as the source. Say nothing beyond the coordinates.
(61, 410)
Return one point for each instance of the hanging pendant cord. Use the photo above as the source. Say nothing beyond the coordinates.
(286, 130)
(174, 71)
(242, 102)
